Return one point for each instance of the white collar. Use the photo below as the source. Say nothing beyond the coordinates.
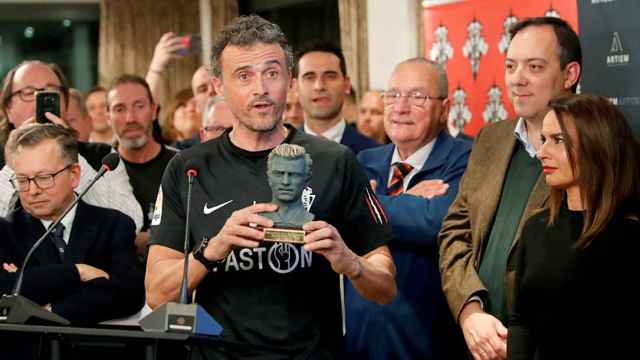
(334, 133)
(418, 158)
(521, 134)
(67, 221)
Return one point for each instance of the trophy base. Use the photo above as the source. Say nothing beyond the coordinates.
(294, 236)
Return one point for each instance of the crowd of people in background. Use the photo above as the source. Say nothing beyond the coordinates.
(516, 244)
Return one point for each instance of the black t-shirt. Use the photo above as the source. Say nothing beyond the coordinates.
(277, 295)
(145, 180)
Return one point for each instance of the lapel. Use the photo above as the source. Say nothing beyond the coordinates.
(83, 234)
(28, 229)
(497, 159)
(379, 163)
(436, 159)
(348, 137)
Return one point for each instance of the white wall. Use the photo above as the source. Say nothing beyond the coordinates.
(392, 32)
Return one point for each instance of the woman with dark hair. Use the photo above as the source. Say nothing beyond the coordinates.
(576, 262)
(182, 119)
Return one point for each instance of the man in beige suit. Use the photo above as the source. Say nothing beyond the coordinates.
(503, 185)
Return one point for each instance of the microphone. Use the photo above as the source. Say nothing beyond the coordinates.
(191, 169)
(17, 309)
(183, 316)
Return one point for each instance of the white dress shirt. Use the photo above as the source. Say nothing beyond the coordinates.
(334, 133)
(67, 221)
(521, 134)
(417, 159)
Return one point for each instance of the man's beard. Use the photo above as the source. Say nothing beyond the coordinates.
(134, 144)
(263, 125)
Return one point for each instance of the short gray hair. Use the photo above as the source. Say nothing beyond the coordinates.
(443, 81)
(246, 31)
(34, 134)
(208, 108)
(291, 152)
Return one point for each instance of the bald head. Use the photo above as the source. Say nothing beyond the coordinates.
(216, 118)
(371, 116)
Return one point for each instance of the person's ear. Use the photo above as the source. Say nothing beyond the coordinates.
(571, 74)
(75, 175)
(217, 85)
(444, 114)
(347, 85)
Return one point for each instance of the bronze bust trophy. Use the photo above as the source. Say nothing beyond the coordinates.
(288, 171)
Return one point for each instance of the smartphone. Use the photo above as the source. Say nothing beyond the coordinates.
(192, 44)
(47, 101)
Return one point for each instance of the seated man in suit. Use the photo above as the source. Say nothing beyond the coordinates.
(416, 179)
(86, 272)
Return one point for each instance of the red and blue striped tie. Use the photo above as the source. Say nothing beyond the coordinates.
(400, 171)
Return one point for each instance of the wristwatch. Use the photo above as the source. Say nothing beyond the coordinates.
(198, 254)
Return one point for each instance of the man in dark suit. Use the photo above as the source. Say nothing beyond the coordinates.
(86, 272)
(416, 179)
(323, 84)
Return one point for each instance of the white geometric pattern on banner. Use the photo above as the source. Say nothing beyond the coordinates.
(475, 46)
(552, 13)
(459, 115)
(505, 39)
(494, 110)
(441, 51)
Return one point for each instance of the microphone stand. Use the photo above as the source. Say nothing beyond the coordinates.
(184, 290)
(182, 317)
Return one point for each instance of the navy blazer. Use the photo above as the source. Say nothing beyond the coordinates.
(103, 238)
(355, 141)
(352, 139)
(417, 323)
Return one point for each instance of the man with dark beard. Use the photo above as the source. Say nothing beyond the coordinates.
(131, 110)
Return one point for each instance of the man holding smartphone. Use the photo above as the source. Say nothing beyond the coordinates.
(17, 104)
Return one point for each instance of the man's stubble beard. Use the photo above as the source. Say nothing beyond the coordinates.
(262, 126)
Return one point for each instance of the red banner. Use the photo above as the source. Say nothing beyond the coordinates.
(471, 39)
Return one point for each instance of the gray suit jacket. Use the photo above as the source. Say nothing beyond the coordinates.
(466, 226)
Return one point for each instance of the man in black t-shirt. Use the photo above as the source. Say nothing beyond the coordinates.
(131, 110)
(281, 301)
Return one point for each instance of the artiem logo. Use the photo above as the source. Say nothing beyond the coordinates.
(617, 55)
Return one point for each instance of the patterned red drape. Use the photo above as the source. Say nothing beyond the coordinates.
(470, 37)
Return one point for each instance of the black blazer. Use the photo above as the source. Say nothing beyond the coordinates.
(103, 238)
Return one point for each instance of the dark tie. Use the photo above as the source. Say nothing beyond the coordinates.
(400, 171)
(57, 236)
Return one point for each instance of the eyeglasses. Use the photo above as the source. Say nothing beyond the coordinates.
(417, 98)
(42, 181)
(28, 93)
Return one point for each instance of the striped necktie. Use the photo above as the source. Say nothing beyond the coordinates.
(57, 236)
(400, 171)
